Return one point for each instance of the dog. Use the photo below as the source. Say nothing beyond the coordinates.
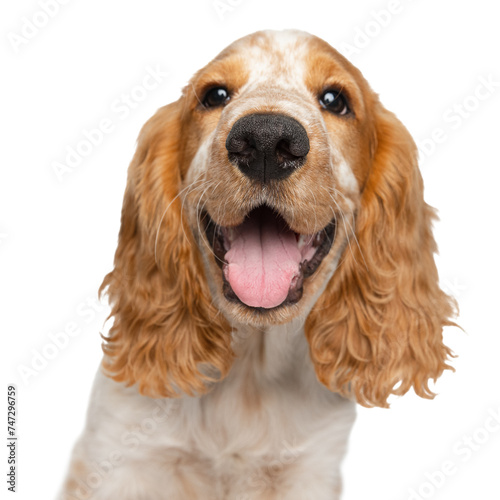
(274, 268)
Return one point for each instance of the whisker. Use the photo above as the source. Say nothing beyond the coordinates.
(202, 233)
(344, 220)
(219, 210)
(206, 185)
(196, 95)
(197, 211)
(316, 204)
(164, 213)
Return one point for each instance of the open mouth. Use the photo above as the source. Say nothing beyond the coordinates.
(264, 263)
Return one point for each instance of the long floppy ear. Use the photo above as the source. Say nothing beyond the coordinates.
(167, 336)
(377, 329)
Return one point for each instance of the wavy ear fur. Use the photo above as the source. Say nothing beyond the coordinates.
(377, 329)
(167, 337)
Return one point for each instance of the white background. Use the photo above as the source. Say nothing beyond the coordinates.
(58, 237)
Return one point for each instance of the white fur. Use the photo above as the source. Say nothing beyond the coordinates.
(288, 433)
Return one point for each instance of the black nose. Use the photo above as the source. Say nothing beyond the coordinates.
(267, 146)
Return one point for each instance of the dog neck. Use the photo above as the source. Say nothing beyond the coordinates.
(273, 352)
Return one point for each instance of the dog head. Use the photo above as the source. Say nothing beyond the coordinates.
(277, 187)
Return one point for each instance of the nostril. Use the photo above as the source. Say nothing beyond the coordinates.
(284, 152)
(240, 150)
(236, 144)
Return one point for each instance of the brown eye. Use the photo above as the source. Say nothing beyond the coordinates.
(217, 96)
(334, 101)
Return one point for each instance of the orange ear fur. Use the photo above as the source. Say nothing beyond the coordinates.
(377, 329)
(167, 337)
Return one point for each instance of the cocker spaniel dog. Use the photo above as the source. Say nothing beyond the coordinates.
(274, 266)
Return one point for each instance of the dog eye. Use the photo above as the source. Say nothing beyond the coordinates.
(334, 101)
(217, 96)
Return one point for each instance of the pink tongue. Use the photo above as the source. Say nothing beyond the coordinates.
(263, 261)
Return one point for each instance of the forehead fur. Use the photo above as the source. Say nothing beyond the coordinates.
(276, 56)
(285, 60)
(256, 58)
